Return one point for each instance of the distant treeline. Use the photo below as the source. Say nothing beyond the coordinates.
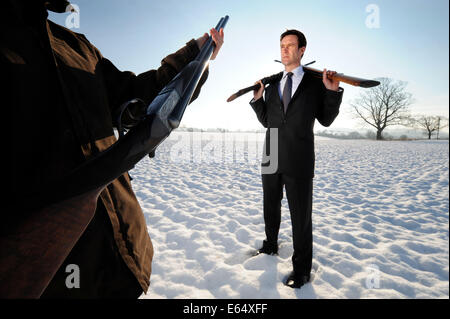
(219, 130)
(369, 135)
(353, 135)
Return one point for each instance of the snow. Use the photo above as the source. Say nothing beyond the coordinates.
(380, 219)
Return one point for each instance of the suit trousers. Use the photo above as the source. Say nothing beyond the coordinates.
(299, 193)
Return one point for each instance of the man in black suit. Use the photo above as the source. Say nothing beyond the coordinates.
(289, 109)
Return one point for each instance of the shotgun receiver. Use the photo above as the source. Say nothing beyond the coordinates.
(34, 247)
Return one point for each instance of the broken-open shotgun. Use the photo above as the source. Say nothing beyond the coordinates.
(34, 247)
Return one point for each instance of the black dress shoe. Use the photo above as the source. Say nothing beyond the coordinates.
(267, 248)
(296, 281)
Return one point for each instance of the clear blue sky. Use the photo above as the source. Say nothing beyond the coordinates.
(411, 44)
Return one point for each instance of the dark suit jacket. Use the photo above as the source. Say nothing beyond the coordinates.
(310, 101)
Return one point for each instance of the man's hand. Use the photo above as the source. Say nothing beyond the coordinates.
(257, 94)
(332, 85)
(217, 37)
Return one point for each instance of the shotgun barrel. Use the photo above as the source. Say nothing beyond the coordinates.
(364, 83)
(265, 81)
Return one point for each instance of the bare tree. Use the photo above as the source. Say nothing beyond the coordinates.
(442, 122)
(430, 124)
(384, 105)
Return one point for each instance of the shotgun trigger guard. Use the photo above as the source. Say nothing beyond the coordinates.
(125, 107)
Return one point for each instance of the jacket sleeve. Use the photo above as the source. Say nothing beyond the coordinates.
(260, 108)
(122, 86)
(329, 109)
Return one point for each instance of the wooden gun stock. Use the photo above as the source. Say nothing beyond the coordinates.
(364, 83)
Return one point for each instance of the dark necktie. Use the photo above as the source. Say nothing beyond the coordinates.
(287, 91)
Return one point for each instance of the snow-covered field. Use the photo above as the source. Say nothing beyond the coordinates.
(380, 219)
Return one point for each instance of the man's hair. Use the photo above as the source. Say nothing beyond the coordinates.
(300, 36)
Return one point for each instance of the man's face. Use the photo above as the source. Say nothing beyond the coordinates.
(290, 52)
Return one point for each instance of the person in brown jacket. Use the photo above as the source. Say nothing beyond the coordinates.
(60, 97)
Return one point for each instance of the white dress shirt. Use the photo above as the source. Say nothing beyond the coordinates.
(297, 76)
